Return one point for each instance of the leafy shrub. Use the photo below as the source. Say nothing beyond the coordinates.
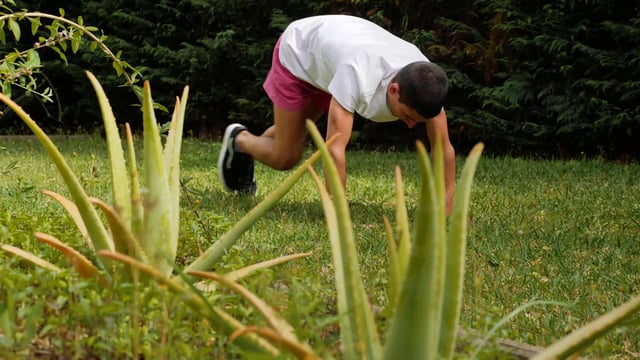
(553, 77)
(57, 38)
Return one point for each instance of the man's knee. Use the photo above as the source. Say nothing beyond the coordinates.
(286, 162)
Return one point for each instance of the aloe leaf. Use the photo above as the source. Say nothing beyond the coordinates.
(356, 315)
(245, 271)
(437, 157)
(403, 245)
(505, 319)
(156, 202)
(119, 176)
(83, 266)
(172, 150)
(583, 337)
(31, 258)
(241, 273)
(98, 234)
(283, 328)
(455, 255)
(299, 350)
(125, 242)
(214, 253)
(395, 280)
(402, 225)
(219, 318)
(137, 209)
(415, 324)
(347, 327)
(72, 210)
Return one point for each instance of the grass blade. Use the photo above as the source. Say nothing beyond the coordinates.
(455, 256)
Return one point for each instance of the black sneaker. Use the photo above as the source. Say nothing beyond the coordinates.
(235, 168)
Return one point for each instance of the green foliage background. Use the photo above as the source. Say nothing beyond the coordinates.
(545, 77)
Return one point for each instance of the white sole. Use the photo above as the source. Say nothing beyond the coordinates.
(223, 150)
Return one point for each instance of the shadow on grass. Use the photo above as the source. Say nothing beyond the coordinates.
(237, 205)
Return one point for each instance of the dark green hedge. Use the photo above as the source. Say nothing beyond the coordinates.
(549, 77)
(553, 78)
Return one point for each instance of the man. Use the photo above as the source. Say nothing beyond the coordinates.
(339, 65)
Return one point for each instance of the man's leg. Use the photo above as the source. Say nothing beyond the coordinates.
(280, 146)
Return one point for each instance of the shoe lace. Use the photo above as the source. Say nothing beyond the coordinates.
(231, 153)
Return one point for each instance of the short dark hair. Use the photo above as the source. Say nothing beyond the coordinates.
(423, 87)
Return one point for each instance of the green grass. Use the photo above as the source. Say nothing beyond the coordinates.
(539, 230)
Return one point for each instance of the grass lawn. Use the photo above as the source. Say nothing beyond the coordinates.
(565, 231)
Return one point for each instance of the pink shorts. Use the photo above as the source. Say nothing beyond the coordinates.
(288, 92)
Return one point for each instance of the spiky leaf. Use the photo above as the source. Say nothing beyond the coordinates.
(360, 337)
(455, 255)
(415, 325)
(157, 215)
(119, 176)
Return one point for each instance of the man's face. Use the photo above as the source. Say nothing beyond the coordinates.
(404, 113)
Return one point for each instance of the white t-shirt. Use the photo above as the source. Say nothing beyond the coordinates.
(348, 57)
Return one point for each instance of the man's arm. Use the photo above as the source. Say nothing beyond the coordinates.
(437, 128)
(340, 122)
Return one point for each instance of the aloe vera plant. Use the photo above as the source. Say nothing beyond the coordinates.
(142, 223)
(425, 270)
(279, 331)
(418, 267)
(428, 266)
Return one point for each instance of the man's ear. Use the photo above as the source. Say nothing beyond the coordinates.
(394, 88)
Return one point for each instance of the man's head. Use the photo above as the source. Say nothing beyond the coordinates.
(422, 86)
